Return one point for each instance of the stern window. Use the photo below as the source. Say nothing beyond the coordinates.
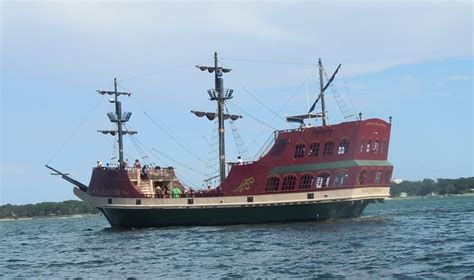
(376, 147)
(340, 179)
(272, 184)
(306, 181)
(289, 182)
(343, 147)
(299, 151)
(369, 143)
(328, 148)
(313, 150)
(362, 146)
(323, 180)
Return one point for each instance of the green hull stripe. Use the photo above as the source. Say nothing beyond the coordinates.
(327, 165)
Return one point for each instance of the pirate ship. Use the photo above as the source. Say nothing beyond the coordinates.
(308, 173)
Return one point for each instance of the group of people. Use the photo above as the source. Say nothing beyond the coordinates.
(175, 192)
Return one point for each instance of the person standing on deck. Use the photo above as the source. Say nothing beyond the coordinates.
(175, 192)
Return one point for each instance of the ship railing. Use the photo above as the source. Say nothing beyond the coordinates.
(151, 173)
(266, 146)
(194, 194)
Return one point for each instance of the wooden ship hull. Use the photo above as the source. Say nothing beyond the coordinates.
(283, 185)
(308, 206)
(305, 174)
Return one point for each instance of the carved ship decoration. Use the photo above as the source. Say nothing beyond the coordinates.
(310, 173)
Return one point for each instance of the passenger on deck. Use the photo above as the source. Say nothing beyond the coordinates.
(99, 164)
(176, 192)
(158, 192)
(137, 164)
(145, 172)
(239, 160)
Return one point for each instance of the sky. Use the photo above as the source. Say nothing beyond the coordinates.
(406, 59)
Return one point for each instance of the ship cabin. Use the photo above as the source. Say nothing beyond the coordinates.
(346, 155)
(149, 182)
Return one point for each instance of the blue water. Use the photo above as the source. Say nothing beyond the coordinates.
(400, 239)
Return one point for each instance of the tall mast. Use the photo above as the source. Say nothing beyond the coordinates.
(219, 94)
(220, 115)
(118, 112)
(117, 117)
(321, 93)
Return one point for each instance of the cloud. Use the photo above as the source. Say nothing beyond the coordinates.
(366, 36)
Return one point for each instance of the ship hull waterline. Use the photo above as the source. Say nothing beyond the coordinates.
(131, 216)
(156, 217)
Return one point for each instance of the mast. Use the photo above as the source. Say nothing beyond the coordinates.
(219, 94)
(119, 118)
(219, 85)
(321, 93)
(118, 112)
(323, 88)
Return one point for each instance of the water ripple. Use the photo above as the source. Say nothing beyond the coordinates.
(400, 239)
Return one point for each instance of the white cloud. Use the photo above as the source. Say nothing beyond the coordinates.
(365, 36)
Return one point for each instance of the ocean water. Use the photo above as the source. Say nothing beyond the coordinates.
(399, 239)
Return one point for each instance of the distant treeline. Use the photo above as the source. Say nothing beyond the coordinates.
(428, 186)
(75, 207)
(69, 207)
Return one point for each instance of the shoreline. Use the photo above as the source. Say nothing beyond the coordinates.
(47, 217)
(432, 196)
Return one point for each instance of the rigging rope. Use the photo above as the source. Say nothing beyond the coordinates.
(75, 131)
(268, 61)
(177, 162)
(250, 115)
(239, 142)
(151, 152)
(174, 139)
(114, 149)
(279, 111)
(348, 93)
(178, 174)
(345, 111)
(212, 164)
(139, 142)
(263, 104)
(162, 71)
(160, 126)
